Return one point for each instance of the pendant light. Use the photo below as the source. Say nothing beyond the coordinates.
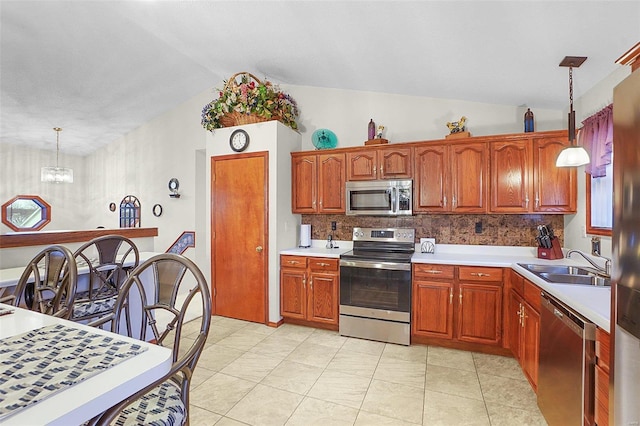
(574, 155)
(56, 174)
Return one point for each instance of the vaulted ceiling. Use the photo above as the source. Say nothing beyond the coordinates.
(100, 69)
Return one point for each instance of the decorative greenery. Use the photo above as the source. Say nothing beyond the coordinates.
(250, 96)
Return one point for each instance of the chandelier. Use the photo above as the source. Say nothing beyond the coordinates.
(56, 174)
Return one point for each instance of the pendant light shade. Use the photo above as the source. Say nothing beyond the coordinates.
(574, 155)
(56, 174)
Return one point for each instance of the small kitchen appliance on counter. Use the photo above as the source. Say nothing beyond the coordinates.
(375, 285)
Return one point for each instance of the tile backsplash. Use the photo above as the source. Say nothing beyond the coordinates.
(497, 230)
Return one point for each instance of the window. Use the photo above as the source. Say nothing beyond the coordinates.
(26, 213)
(600, 203)
(129, 212)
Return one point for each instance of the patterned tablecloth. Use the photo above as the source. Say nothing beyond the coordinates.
(39, 363)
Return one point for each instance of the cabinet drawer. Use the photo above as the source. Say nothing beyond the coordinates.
(475, 273)
(323, 264)
(288, 261)
(532, 295)
(602, 348)
(423, 270)
(517, 283)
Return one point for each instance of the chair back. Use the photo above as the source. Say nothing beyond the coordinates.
(109, 259)
(169, 289)
(48, 283)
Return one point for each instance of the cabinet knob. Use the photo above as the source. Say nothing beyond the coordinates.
(259, 249)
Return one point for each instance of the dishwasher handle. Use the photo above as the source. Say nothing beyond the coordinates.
(579, 325)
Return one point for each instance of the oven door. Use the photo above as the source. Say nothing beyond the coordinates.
(375, 289)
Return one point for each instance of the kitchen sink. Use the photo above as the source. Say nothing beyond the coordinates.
(594, 280)
(563, 274)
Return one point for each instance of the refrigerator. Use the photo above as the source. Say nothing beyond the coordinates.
(624, 397)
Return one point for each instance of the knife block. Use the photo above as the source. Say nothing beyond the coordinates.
(555, 252)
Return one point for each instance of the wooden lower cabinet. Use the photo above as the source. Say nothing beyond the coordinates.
(309, 289)
(601, 405)
(458, 303)
(524, 326)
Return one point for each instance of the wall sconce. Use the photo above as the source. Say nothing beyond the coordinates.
(174, 184)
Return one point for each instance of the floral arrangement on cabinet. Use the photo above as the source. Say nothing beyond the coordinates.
(249, 100)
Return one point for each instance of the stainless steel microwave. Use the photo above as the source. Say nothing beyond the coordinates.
(380, 197)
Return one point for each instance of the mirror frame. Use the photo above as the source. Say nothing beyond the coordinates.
(45, 213)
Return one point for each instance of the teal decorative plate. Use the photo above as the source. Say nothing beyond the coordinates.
(324, 139)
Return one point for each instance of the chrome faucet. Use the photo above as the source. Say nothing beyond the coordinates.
(607, 262)
(329, 242)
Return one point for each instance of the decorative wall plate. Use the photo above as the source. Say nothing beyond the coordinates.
(324, 139)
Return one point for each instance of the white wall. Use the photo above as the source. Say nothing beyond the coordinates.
(591, 102)
(406, 118)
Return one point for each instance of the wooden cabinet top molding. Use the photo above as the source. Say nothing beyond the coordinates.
(488, 138)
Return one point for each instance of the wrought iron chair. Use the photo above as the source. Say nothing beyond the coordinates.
(178, 288)
(109, 259)
(48, 283)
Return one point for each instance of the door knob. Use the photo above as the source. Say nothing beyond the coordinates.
(259, 249)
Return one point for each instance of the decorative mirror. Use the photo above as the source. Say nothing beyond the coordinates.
(157, 210)
(130, 212)
(26, 213)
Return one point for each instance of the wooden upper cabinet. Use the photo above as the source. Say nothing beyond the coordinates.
(469, 170)
(331, 183)
(430, 183)
(451, 179)
(525, 179)
(554, 187)
(510, 166)
(303, 183)
(395, 163)
(318, 183)
(379, 163)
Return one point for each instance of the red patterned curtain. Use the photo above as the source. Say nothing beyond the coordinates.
(596, 136)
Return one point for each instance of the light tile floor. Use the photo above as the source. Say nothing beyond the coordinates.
(251, 374)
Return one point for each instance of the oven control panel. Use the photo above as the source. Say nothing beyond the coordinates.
(384, 234)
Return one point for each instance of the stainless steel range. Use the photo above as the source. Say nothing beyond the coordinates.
(375, 285)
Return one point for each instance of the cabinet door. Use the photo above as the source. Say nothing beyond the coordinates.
(293, 293)
(395, 163)
(303, 184)
(331, 183)
(323, 298)
(510, 165)
(431, 193)
(469, 178)
(554, 188)
(433, 309)
(515, 324)
(361, 165)
(479, 313)
(530, 344)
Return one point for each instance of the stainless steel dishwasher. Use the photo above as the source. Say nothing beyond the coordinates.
(566, 365)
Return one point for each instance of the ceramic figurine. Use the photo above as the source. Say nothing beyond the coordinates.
(457, 126)
(380, 130)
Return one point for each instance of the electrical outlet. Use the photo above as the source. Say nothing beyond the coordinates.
(478, 227)
(333, 226)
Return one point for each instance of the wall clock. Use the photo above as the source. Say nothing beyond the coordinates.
(239, 140)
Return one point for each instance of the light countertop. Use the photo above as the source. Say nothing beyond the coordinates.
(594, 303)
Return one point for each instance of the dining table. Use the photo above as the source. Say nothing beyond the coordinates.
(58, 372)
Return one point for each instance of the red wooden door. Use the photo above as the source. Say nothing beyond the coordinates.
(239, 205)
